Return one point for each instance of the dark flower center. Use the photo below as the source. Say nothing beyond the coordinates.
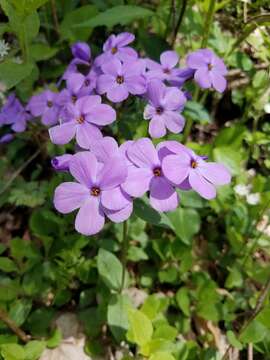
(49, 104)
(210, 67)
(157, 171)
(193, 164)
(83, 68)
(73, 98)
(120, 79)
(95, 191)
(114, 50)
(80, 119)
(159, 110)
(167, 71)
(87, 82)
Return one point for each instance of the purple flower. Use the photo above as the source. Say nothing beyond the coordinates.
(166, 69)
(116, 48)
(82, 51)
(84, 118)
(120, 79)
(182, 165)
(61, 163)
(45, 105)
(146, 174)
(5, 139)
(209, 69)
(81, 62)
(163, 109)
(96, 193)
(14, 114)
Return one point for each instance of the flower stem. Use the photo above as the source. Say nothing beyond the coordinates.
(179, 21)
(124, 255)
(208, 23)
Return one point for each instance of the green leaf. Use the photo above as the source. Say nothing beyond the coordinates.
(110, 269)
(122, 14)
(253, 333)
(234, 279)
(186, 223)
(20, 310)
(70, 27)
(145, 212)
(162, 355)
(55, 339)
(197, 112)
(12, 352)
(117, 316)
(165, 332)
(34, 349)
(260, 79)
(264, 317)
(141, 329)
(7, 265)
(41, 52)
(233, 340)
(183, 301)
(9, 289)
(11, 73)
(27, 6)
(229, 157)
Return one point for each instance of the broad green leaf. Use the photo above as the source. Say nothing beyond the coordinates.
(197, 112)
(254, 332)
(141, 329)
(70, 27)
(110, 269)
(55, 339)
(7, 265)
(166, 332)
(156, 345)
(229, 157)
(11, 73)
(162, 355)
(12, 352)
(154, 305)
(27, 6)
(234, 279)
(9, 289)
(145, 212)
(20, 310)
(186, 223)
(183, 301)
(264, 317)
(34, 349)
(233, 340)
(118, 316)
(41, 52)
(122, 14)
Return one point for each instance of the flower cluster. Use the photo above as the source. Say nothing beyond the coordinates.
(108, 177)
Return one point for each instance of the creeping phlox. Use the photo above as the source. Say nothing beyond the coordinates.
(107, 177)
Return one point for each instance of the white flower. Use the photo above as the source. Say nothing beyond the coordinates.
(4, 48)
(251, 172)
(241, 189)
(253, 199)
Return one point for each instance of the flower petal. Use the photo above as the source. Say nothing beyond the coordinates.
(169, 59)
(138, 181)
(62, 134)
(104, 83)
(218, 81)
(202, 77)
(216, 173)
(117, 93)
(87, 134)
(163, 196)
(124, 39)
(83, 167)
(101, 114)
(201, 185)
(157, 128)
(196, 60)
(114, 199)
(155, 92)
(90, 218)
(120, 215)
(113, 67)
(69, 196)
(113, 173)
(174, 122)
(136, 85)
(105, 148)
(176, 168)
(143, 153)
(174, 99)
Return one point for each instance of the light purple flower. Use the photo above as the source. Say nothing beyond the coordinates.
(146, 175)
(163, 110)
(61, 163)
(116, 48)
(85, 117)
(209, 69)
(182, 165)
(82, 51)
(5, 139)
(14, 114)
(81, 62)
(96, 193)
(166, 69)
(120, 79)
(46, 106)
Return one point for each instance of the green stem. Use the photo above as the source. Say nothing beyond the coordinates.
(124, 255)
(179, 21)
(208, 23)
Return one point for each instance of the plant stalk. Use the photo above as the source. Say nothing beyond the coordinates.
(179, 21)
(124, 255)
(13, 326)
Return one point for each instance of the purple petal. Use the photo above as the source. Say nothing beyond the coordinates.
(113, 67)
(149, 112)
(215, 173)
(157, 128)
(101, 115)
(176, 168)
(202, 77)
(201, 185)
(74, 82)
(169, 59)
(114, 199)
(143, 153)
(196, 60)
(153, 65)
(174, 122)
(86, 103)
(105, 148)
(124, 39)
(69, 196)
(87, 134)
(138, 181)
(83, 167)
(118, 93)
(136, 85)
(61, 163)
(105, 83)
(219, 66)
(218, 81)
(50, 117)
(126, 54)
(90, 218)
(155, 92)
(120, 215)
(113, 173)
(174, 99)
(185, 185)
(62, 134)
(163, 196)
(81, 50)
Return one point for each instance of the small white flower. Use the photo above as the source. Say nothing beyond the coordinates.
(251, 172)
(17, 60)
(4, 48)
(253, 199)
(241, 189)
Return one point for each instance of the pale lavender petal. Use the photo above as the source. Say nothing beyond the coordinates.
(138, 181)
(113, 67)
(37, 104)
(216, 173)
(218, 81)
(196, 60)
(118, 93)
(88, 102)
(157, 128)
(104, 83)
(61, 163)
(113, 173)
(109, 43)
(62, 134)
(87, 134)
(101, 115)
(74, 82)
(90, 218)
(174, 99)
(124, 39)
(153, 65)
(201, 185)
(149, 112)
(50, 117)
(120, 215)
(163, 196)
(169, 59)
(185, 185)
(83, 167)
(219, 65)
(69, 196)
(174, 122)
(202, 77)
(126, 54)
(136, 85)
(114, 199)
(81, 50)
(143, 153)
(155, 92)
(176, 168)
(105, 148)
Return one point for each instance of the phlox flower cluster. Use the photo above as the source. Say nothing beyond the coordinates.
(108, 177)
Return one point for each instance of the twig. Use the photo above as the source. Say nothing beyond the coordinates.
(17, 173)
(55, 17)
(11, 324)
(179, 21)
(250, 351)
